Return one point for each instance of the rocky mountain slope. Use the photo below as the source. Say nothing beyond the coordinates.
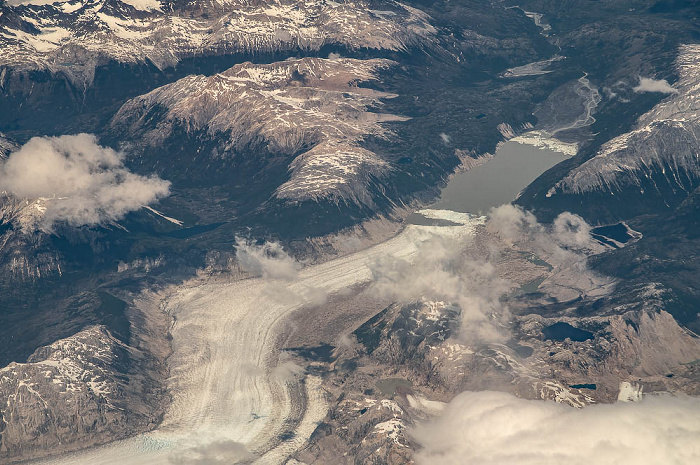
(74, 37)
(74, 393)
(655, 165)
(399, 376)
(646, 174)
(567, 340)
(313, 112)
(6, 146)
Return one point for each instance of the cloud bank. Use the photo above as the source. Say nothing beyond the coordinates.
(83, 183)
(495, 428)
(654, 85)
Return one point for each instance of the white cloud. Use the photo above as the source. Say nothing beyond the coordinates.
(513, 223)
(571, 230)
(288, 372)
(654, 85)
(565, 242)
(495, 428)
(445, 138)
(268, 260)
(83, 182)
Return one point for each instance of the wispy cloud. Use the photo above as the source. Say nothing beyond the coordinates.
(565, 242)
(448, 269)
(279, 270)
(268, 260)
(444, 271)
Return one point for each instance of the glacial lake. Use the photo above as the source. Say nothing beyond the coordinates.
(496, 181)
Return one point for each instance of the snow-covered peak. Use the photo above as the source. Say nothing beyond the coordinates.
(75, 36)
(311, 106)
(80, 363)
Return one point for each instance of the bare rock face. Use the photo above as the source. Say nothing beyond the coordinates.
(587, 358)
(309, 109)
(22, 257)
(18, 264)
(641, 345)
(363, 429)
(72, 394)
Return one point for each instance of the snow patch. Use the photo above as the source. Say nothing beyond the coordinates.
(630, 392)
(544, 140)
